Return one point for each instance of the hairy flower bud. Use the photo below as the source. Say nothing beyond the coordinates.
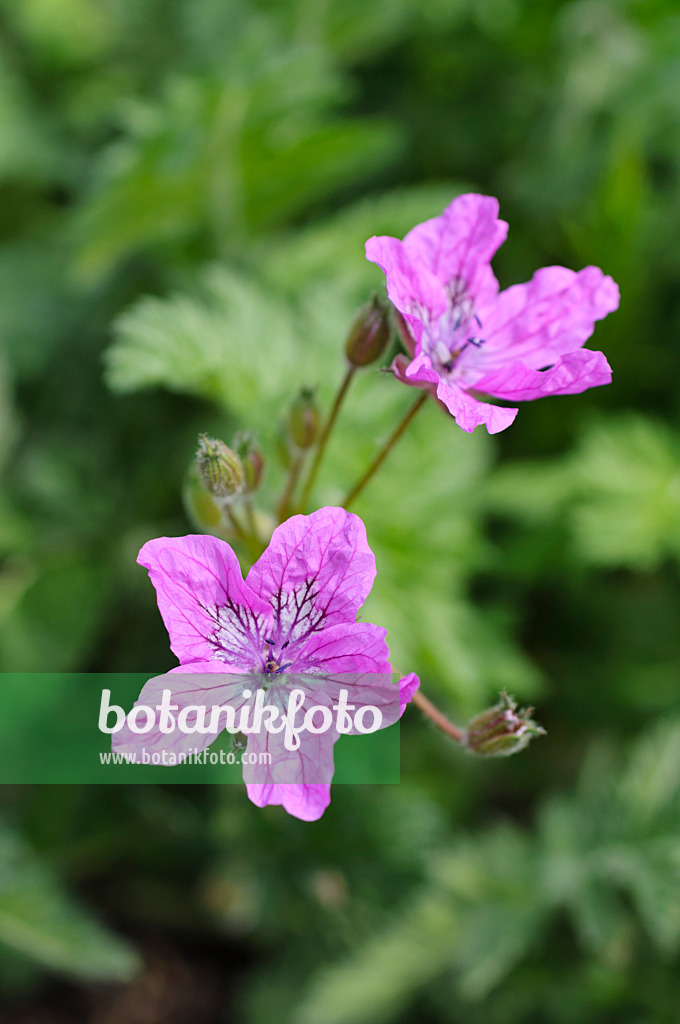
(370, 333)
(252, 459)
(502, 730)
(220, 468)
(303, 419)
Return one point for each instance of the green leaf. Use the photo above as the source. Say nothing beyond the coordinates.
(70, 32)
(617, 494)
(628, 482)
(381, 976)
(233, 343)
(226, 157)
(30, 148)
(38, 920)
(54, 615)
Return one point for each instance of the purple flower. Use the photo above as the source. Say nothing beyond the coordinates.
(472, 341)
(295, 613)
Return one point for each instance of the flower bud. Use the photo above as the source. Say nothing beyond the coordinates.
(502, 730)
(253, 468)
(252, 459)
(282, 445)
(370, 333)
(303, 419)
(220, 468)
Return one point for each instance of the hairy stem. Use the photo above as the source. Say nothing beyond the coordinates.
(385, 450)
(438, 717)
(325, 434)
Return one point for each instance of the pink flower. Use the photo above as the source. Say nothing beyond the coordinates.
(471, 340)
(295, 613)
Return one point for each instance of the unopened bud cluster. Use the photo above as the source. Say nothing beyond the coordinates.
(502, 730)
(226, 473)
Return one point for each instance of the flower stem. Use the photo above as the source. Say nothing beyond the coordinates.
(325, 434)
(283, 507)
(248, 537)
(439, 719)
(236, 524)
(385, 451)
(250, 518)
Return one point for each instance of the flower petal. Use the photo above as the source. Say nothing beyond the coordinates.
(460, 244)
(572, 373)
(553, 314)
(307, 802)
(191, 686)
(317, 572)
(416, 292)
(420, 371)
(355, 647)
(407, 688)
(456, 246)
(469, 412)
(300, 779)
(208, 611)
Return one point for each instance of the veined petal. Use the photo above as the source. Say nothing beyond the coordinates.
(355, 647)
(572, 373)
(469, 412)
(208, 611)
(307, 802)
(317, 572)
(413, 288)
(300, 779)
(459, 244)
(199, 685)
(553, 314)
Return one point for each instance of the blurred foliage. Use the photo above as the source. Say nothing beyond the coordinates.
(36, 919)
(185, 189)
(606, 859)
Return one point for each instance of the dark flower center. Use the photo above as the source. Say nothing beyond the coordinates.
(271, 662)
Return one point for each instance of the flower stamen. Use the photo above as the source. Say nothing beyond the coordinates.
(444, 343)
(270, 663)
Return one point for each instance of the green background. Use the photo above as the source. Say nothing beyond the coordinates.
(185, 190)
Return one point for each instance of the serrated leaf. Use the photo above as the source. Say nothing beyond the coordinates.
(629, 509)
(233, 343)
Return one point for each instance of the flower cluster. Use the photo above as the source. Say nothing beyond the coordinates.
(468, 344)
